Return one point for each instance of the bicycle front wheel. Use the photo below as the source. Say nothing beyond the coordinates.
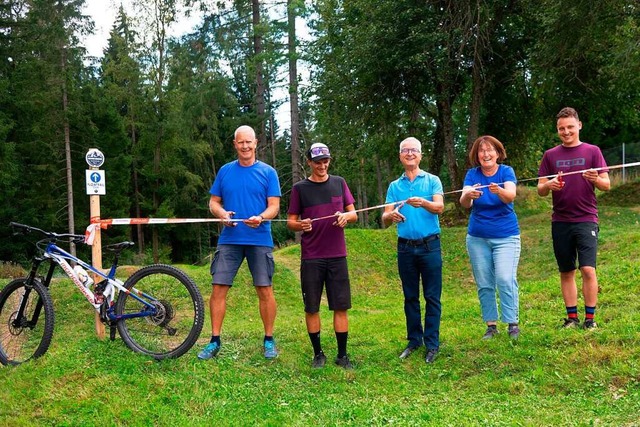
(178, 316)
(26, 321)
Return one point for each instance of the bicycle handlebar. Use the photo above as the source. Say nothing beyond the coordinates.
(26, 229)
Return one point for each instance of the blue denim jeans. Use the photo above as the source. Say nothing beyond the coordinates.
(495, 267)
(416, 262)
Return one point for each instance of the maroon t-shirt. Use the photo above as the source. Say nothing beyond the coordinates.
(576, 202)
(317, 199)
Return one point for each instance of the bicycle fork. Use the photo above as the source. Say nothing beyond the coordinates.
(20, 321)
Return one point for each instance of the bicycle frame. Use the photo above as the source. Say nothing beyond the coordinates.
(58, 256)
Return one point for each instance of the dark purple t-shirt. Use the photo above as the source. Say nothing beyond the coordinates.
(576, 202)
(317, 199)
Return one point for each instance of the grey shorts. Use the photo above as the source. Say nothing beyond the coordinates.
(228, 258)
(333, 273)
(573, 240)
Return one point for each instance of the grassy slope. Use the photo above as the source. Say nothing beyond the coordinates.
(549, 377)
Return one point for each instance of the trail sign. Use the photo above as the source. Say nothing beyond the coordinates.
(94, 158)
(96, 184)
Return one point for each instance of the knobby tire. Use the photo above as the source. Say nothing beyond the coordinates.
(30, 336)
(179, 322)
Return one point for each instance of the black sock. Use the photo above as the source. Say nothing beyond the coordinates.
(268, 338)
(341, 337)
(315, 342)
(215, 338)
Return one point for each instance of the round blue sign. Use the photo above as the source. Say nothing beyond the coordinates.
(94, 158)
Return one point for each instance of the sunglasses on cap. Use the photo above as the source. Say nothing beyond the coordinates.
(319, 151)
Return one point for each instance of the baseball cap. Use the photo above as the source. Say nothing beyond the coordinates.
(318, 151)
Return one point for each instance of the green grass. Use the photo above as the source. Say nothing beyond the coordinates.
(549, 377)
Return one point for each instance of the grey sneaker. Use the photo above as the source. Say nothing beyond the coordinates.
(432, 353)
(514, 331)
(319, 360)
(571, 322)
(589, 324)
(210, 350)
(270, 350)
(408, 351)
(344, 362)
(490, 332)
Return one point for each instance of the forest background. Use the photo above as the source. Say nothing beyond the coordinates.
(163, 110)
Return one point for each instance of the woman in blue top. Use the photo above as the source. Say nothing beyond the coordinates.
(493, 237)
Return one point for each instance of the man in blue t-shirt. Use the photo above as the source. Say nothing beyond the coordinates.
(419, 200)
(574, 222)
(324, 251)
(250, 190)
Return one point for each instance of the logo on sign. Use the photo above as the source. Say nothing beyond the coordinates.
(94, 158)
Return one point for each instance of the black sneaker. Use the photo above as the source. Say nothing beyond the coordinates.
(490, 332)
(431, 355)
(571, 322)
(344, 362)
(319, 360)
(589, 324)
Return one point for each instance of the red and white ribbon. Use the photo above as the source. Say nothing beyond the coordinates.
(104, 223)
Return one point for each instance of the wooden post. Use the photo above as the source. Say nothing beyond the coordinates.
(95, 187)
(96, 255)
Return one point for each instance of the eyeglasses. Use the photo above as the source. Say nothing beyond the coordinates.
(410, 151)
(319, 151)
(488, 151)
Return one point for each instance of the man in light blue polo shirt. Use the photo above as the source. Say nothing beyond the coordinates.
(419, 199)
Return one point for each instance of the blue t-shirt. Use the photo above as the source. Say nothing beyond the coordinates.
(491, 217)
(419, 222)
(244, 190)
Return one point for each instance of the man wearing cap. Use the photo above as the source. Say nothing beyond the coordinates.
(249, 190)
(320, 208)
(418, 200)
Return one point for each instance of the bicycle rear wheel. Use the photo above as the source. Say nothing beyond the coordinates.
(179, 317)
(27, 334)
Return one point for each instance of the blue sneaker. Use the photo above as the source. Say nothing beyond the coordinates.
(270, 351)
(210, 350)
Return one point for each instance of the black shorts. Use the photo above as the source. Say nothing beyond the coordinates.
(332, 272)
(573, 240)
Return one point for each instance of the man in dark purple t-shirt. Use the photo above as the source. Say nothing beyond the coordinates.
(320, 208)
(574, 222)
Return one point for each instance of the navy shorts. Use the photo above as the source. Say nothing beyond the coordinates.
(330, 272)
(574, 240)
(228, 258)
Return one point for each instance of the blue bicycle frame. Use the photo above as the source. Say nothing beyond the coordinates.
(59, 256)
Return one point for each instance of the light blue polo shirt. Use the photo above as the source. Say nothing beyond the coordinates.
(419, 222)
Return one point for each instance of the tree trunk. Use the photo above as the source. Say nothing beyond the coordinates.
(259, 95)
(272, 137)
(437, 155)
(136, 189)
(446, 118)
(293, 94)
(476, 101)
(67, 147)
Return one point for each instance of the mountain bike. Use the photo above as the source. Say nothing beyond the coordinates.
(158, 310)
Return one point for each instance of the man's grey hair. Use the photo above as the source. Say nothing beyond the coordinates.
(244, 128)
(411, 139)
